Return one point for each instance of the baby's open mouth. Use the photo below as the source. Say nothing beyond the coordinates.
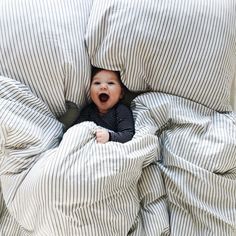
(103, 97)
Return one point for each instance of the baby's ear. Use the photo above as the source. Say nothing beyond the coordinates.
(122, 94)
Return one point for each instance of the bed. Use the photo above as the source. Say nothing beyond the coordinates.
(177, 176)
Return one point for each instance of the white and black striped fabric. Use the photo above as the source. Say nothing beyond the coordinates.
(175, 177)
(181, 47)
(233, 93)
(198, 163)
(42, 45)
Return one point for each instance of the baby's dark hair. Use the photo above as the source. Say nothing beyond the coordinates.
(95, 70)
(129, 97)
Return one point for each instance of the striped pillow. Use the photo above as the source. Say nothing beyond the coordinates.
(181, 47)
(42, 45)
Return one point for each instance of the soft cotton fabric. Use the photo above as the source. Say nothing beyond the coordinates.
(180, 47)
(176, 175)
(42, 45)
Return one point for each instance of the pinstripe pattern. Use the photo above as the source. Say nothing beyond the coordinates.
(9, 226)
(44, 48)
(180, 48)
(198, 165)
(27, 129)
(181, 183)
(84, 188)
(183, 47)
(233, 93)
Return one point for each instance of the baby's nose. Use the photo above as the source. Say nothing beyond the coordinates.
(103, 86)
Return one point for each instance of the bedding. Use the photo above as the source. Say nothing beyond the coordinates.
(181, 47)
(233, 93)
(168, 178)
(177, 176)
(42, 45)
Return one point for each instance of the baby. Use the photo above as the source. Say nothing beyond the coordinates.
(106, 110)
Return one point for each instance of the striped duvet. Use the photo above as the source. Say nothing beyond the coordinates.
(175, 177)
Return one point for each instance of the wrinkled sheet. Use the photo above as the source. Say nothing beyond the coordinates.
(175, 177)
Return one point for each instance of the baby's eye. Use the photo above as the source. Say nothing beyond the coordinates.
(111, 83)
(96, 83)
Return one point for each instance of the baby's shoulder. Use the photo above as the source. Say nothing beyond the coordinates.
(88, 108)
(122, 108)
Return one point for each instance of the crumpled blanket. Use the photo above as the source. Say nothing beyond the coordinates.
(175, 177)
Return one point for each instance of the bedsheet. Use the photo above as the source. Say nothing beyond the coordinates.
(175, 177)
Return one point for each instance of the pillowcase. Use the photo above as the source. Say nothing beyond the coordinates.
(42, 45)
(181, 47)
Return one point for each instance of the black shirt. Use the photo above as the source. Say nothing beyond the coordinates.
(118, 119)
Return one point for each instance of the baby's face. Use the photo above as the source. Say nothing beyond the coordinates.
(105, 90)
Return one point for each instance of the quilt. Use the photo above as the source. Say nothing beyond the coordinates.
(175, 177)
